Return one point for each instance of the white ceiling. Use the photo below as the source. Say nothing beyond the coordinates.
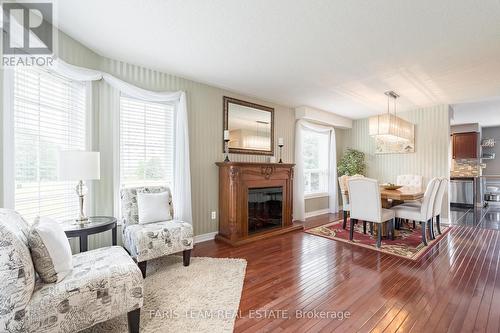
(485, 113)
(338, 56)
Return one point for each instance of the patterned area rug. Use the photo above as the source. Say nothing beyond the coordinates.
(203, 297)
(407, 242)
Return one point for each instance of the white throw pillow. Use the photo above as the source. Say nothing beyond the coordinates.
(50, 250)
(153, 207)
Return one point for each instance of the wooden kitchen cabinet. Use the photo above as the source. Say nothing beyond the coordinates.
(465, 145)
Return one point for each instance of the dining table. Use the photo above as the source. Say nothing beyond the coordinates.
(391, 198)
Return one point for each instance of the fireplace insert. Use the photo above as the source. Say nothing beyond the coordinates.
(265, 209)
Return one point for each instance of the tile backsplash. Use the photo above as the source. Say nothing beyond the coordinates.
(465, 168)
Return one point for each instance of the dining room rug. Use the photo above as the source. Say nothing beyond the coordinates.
(203, 297)
(407, 242)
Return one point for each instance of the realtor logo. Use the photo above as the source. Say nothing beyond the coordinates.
(27, 33)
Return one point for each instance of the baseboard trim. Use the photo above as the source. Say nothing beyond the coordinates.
(317, 212)
(204, 237)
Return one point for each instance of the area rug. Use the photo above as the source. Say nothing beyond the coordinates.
(203, 297)
(407, 242)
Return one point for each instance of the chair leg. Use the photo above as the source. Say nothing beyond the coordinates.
(134, 319)
(186, 257)
(414, 225)
(431, 229)
(351, 230)
(142, 266)
(344, 225)
(379, 235)
(364, 227)
(371, 228)
(424, 239)
(438, 223)
(393, 221)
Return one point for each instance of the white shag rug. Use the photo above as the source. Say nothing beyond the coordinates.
(203, 297)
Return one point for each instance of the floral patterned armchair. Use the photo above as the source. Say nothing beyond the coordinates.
(103, 284)
(153, 240)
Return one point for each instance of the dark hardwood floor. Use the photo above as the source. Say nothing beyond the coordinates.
(455, 287)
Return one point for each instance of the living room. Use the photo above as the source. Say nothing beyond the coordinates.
(189, 166)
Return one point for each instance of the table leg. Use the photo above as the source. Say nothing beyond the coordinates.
(113, 236)
(83, 243)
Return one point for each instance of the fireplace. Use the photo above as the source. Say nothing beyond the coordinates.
(255, 201)
(265, 209)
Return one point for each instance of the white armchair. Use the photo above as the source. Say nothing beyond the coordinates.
(366, 205)
(153, 240)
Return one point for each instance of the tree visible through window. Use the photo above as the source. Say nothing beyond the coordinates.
(315, 153)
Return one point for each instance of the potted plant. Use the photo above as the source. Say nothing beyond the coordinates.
(352, 163)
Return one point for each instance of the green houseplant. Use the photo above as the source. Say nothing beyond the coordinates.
(352, 163)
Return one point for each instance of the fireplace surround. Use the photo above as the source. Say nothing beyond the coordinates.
(255, 201)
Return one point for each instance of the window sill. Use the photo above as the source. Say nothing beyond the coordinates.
(315, 195)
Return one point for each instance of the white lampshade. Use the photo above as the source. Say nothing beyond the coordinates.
(79, 165)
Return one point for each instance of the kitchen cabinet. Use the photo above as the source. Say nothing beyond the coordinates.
(465, 145)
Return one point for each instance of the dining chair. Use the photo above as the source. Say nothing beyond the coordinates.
(422, 213)
(409, 180)
(365, 204)
(345, 198)
(437, 206)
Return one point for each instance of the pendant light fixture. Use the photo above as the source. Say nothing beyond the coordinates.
(390, 127)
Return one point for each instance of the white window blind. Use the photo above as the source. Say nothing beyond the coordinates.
(146, 143)
(316, 162)
(49, 116)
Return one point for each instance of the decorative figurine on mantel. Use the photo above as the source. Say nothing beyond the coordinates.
(280, 144)
(226, 145)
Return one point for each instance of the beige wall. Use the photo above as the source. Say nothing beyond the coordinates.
(431, 148)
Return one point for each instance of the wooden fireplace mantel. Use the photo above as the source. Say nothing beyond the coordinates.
(235, 180)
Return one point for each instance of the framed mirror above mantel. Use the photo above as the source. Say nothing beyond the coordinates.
(250, 126)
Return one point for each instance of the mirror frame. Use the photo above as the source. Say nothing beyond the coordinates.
(226, 101)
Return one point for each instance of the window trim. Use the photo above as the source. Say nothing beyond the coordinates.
(8, 140)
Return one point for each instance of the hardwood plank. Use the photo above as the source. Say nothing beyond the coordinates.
(454, 287)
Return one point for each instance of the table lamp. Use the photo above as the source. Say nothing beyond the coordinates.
(79, 165)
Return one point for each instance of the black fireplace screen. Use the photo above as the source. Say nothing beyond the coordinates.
(264, 209)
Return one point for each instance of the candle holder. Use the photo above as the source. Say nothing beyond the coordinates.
(226, 151)
(281, 150)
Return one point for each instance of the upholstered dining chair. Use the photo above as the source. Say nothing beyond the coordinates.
(409, 180)
(437, 206)
(420, 213)
(345, 198)
(365, 204)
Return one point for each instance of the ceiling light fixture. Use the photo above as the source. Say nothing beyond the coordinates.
(390, 127)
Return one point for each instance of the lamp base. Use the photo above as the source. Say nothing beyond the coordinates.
(81, 190)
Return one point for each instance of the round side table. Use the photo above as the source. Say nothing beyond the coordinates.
(95, 225)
